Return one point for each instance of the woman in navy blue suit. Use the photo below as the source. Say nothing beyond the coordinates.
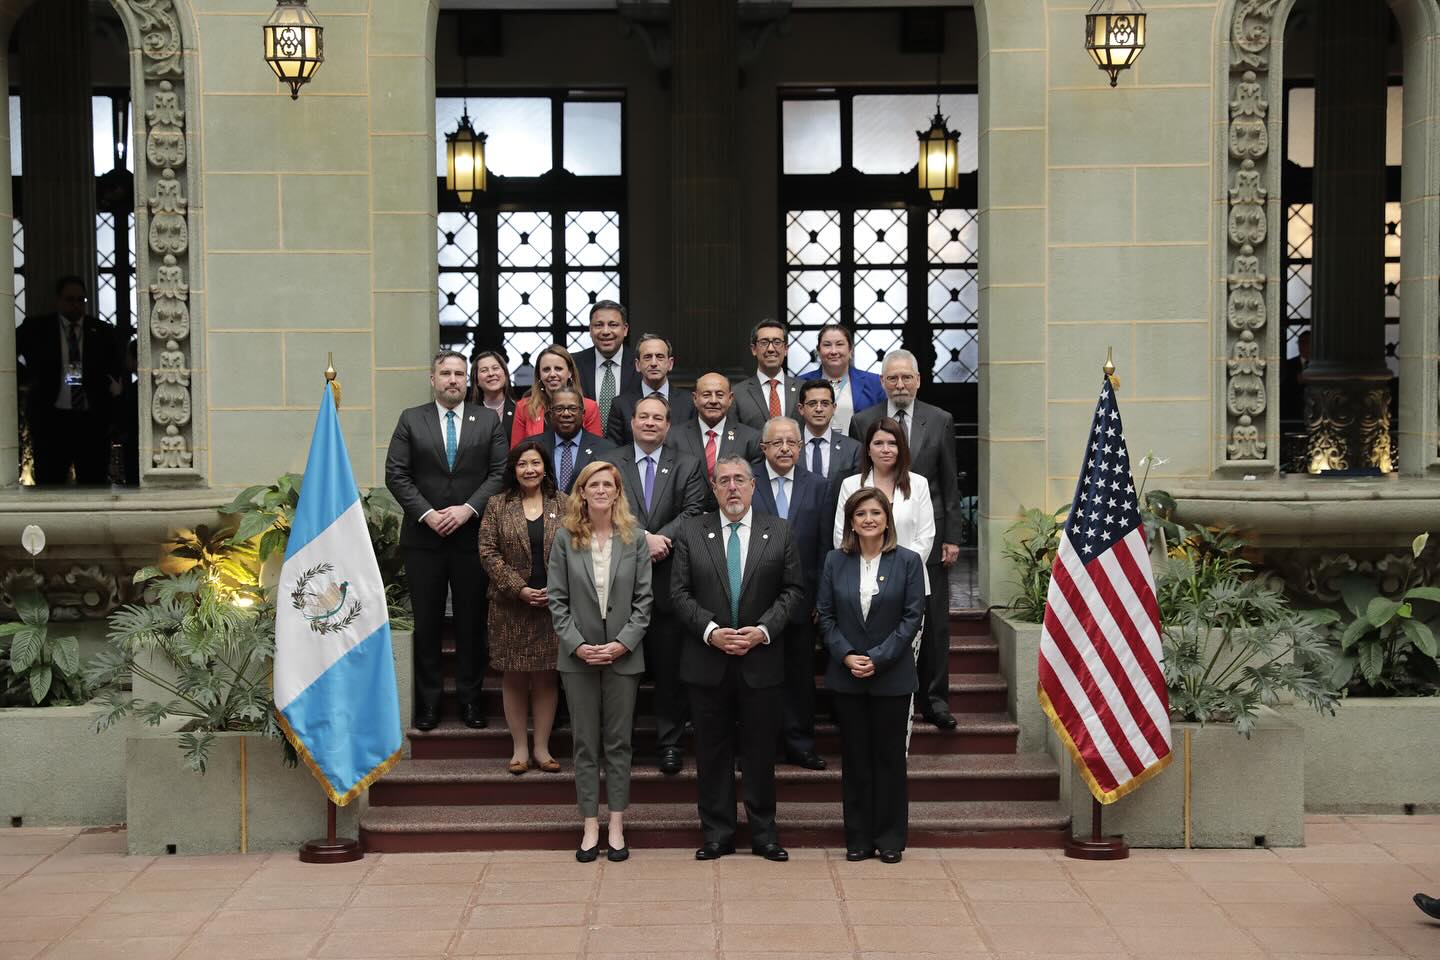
(871, 602)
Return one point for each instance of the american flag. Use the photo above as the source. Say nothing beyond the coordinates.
(1100, 678)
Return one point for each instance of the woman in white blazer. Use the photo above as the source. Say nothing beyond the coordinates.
(885, 465)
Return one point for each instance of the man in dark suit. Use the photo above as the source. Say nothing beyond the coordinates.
(715, 434)
(663, 488)
(931, 432)
(71, 366)
(604, 372)
(735, 586)
(446, 458)
(771, 392)
(568, 448)
(824, 452)
(786, 490)
(654, 359)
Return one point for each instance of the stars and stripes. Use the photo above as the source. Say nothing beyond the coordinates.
(1100, 678)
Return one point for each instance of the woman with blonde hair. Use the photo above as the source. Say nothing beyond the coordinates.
(600, 600)
(554, 368)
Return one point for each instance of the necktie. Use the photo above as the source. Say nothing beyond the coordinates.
(782, 502)
(567, 464)
(817, 461)
(607, 392)
(732, 564)
(904, 423)
(774, 399)
(710, 452)
(649, 488)
(72, 344)
(450, 444)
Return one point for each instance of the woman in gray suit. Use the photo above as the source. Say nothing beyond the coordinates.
(871, 601)
(600, 599)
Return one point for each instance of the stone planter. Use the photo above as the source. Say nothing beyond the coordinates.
(1241, 790)
(1376, 755)
(1020, 664)
(169, 806)
(55, 770)
(402, 648)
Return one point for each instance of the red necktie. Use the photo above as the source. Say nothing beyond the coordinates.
(710, 452)
(774, 400)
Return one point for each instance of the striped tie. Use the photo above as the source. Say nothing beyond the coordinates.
(607, 392)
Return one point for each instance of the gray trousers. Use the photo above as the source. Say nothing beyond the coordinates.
(602, 715)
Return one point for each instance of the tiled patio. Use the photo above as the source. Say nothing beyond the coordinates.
(72, 895)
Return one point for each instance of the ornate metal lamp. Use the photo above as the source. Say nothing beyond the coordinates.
(294, 44)
(465, 160)
(1115, 35)
(939, 168)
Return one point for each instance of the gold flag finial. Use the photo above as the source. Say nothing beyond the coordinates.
(1109, 368)
(331, 377)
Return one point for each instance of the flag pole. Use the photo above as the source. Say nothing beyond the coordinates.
(330, 848)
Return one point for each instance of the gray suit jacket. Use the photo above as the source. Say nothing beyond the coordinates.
(752, 401)
(576, 610)
(932, 455)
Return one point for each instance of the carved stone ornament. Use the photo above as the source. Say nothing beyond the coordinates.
(1315, 574)
(75, 592)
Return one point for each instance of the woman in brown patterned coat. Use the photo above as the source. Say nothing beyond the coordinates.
(515, 536)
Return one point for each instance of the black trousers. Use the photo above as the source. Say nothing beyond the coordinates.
(799, 707)
(716, 710)
(433, 574)
(662, 659)
(933, 664)
(59, 438)
(872, 770)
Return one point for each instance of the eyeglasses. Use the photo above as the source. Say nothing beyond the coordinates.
(901, 377)
(565, 408)
(769, 342)
(782, 444)
(732, 481)
(818, 404)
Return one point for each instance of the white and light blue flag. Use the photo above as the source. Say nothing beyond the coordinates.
(334, 677)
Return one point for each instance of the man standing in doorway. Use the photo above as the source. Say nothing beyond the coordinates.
(604, 372)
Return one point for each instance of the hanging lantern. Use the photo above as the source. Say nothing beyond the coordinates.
(294, 44)
(1115, 35)
(465, 160)
(939, 168)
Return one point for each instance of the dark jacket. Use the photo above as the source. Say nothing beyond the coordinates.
(678, 495)
(736, 440)
(752, 400)
(417, 474)
(622, 411)
(885, 636)
(37, 347)
(810, 519)
(590, 449)
(627, 376)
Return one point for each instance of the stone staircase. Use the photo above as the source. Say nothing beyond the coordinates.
(968, 787)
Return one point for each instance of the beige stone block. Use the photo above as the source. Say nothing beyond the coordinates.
(1065, 450)
(259, 445)
(264, 9)
(404, 251)
(1016, 159)
(1092, 205)
(1183, 33)
(276, 133)
(1014, 323)
(324, 211)
(1077, 353)
(995, 574)
(1101, 284)
(1172, 360)
(305, 358)
(1172, 203)
(405, 329)
(403, 28)
(245, 369)
(288, 290)
(232, 57)
(344, 70)
(395, 391)
(245, 211)
(1012, 396)
(1018, 82)
(1166, 125)
(1013, 246)
(403, 174)
(1016, 475)
(1011, 25)
(402, 95)
(1176, 430)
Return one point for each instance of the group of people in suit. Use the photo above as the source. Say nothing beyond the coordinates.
(608, 524)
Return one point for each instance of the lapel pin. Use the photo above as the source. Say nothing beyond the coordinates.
(710, 536)
(882, 579)
(664, 469)
(730, 435)
(471, 419)
(764, 536)
(587, 451)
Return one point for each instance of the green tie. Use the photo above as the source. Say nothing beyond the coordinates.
(732, 562)
(607, 392)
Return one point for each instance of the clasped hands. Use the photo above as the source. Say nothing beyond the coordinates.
(735, 642)
(601, 654)
(446, 520)
(658, 545)
(534, 596)
(860, 667)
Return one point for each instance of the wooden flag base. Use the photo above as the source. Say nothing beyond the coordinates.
(331, 849)
(1097, 846)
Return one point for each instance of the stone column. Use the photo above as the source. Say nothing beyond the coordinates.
(704, 181)
(58, 156)
(1347, 391)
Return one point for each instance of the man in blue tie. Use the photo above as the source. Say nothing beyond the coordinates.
(571, 449)
(825, 452)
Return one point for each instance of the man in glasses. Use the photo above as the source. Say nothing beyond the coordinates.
(825, 451)
(571, 448)
(770, 392)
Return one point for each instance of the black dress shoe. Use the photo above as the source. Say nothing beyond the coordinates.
(427, 718)
(474, 716)
(810, 760)
(714, 851)
(943, 719)
(587, 856)
(772, 852)
(617, 856)
(890, 856)
(671, 760)
(855, 856)
(1428, 905)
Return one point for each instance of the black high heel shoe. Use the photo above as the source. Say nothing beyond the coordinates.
(617, 856)
(588, 856)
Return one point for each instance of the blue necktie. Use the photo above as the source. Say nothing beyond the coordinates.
(567, 464)
(732, 563)
(782, 502)
(817, 464)
(450, 439)
(649, 487)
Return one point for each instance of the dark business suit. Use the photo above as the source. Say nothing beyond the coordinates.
(873, 713)
(752, 400)
(726, 688)
(932, 455)
(735, 440)
(678, 495)
(589, 450)
(809, 519)
(622, 411)
(844, 460)
(417, 473)
(626, 376)
(81, 435)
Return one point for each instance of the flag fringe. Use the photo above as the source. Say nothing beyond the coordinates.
(1098, 792)
(339, 799)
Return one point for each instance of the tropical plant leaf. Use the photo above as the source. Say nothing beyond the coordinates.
(26, 648)
(197, 749)
(1423, 593)
(1357, 591)
(1372, 660)
(40, 678)
(252, 525)
(1417, 546)
(1343, 671)
(32, 608)
(271, 542)
(1381, 610)
(1420, 634)
(65, 655)
(245, 499)
(14, 626)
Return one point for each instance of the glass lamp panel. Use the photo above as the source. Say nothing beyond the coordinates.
(885, 126)
(518, 129)
(592, 139)
(810, 133)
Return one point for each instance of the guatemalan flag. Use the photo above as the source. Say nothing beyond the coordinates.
(334, 677)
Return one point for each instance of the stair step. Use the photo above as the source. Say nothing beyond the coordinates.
(954, 823)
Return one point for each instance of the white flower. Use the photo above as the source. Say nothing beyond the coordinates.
(32, 538)
(1150, 460)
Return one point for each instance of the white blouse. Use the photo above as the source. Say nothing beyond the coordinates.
(600, 555)
(869, 582)
(914, 517)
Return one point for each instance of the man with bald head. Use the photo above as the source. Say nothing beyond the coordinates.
(715, 434)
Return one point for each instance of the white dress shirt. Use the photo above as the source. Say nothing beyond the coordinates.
(914, 517)
(844, 402)
(775, 478)
(807, 449)
(663, 390)
(62, 396)
(705, 428)
(601, 360)
(743, 534)
(765, 379)
(891, 410)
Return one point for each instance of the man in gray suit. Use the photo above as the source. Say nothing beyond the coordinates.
(931, 432)
(663, 488)
(446, 458)
(771, 392)
(735, 586)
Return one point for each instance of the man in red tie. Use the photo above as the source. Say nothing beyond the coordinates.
(715, 433)
(770, 392)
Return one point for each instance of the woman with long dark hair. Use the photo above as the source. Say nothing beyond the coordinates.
(490, 386)
(885, 465)
(554, 368)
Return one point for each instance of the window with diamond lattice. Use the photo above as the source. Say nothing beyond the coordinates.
(521, 268)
